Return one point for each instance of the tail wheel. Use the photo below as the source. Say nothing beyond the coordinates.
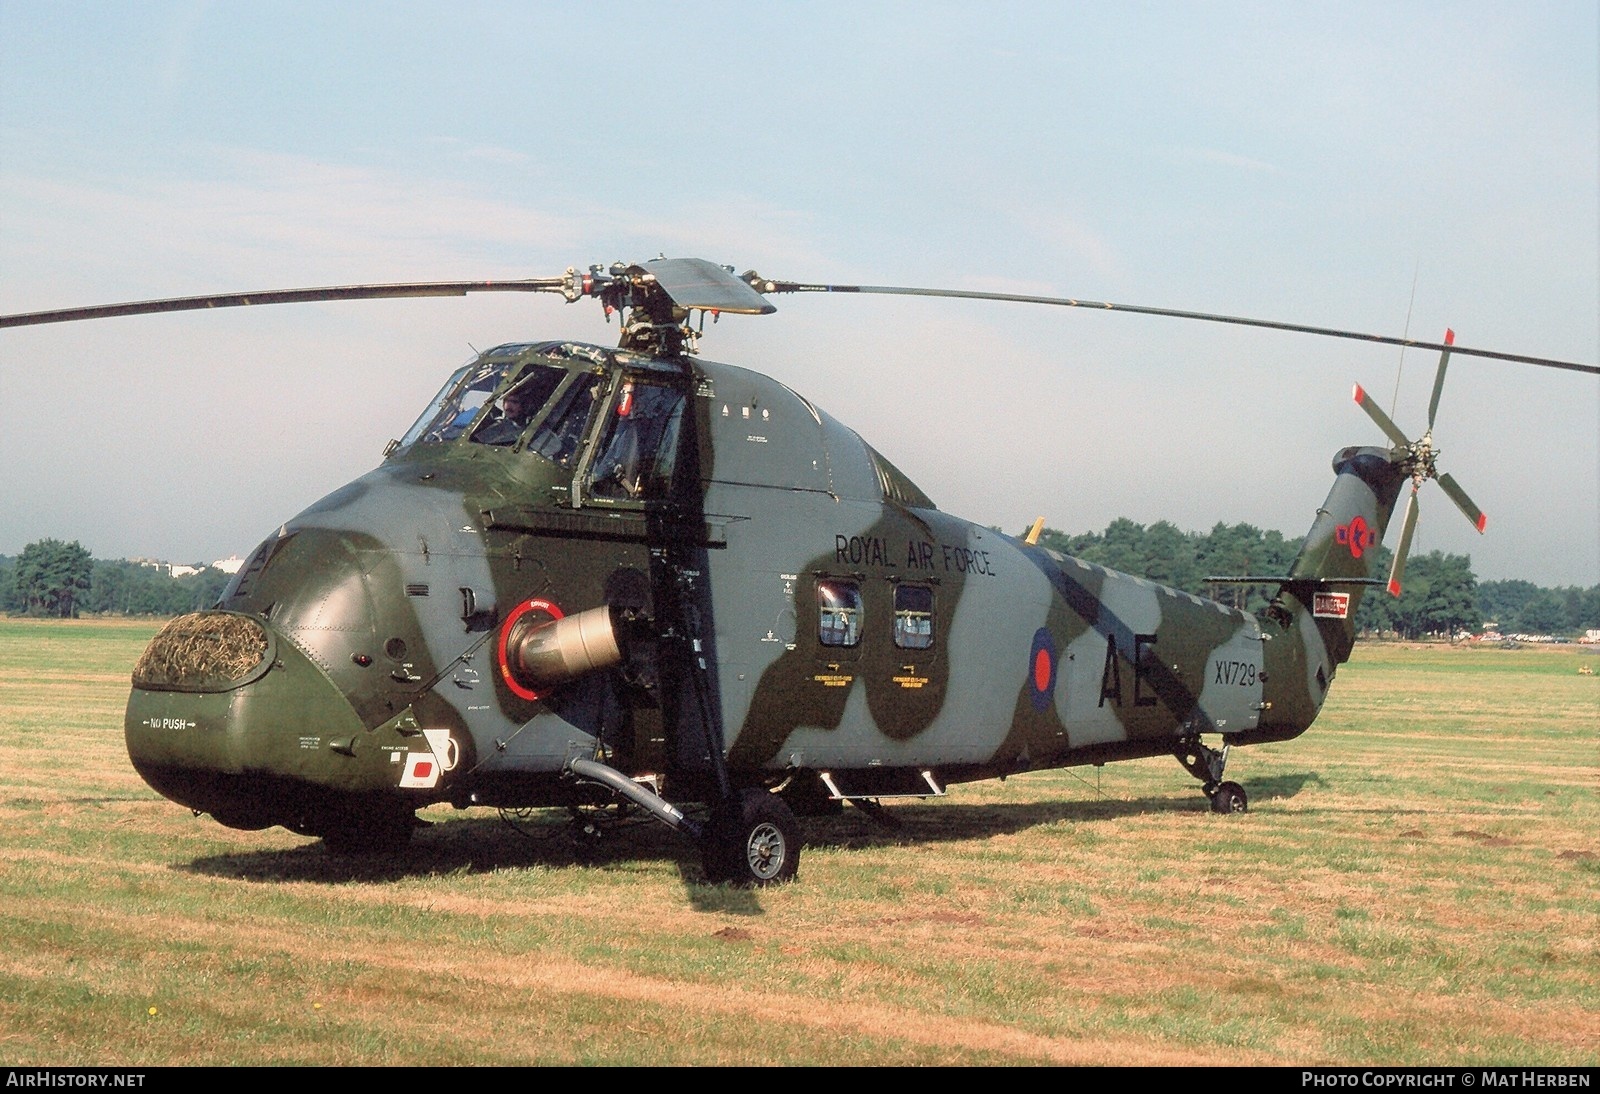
(1229, 797)
(752, 840)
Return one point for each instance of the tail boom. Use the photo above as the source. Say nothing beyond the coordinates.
(1310, 625)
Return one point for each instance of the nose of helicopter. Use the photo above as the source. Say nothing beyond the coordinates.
(228, 718)
(292, 702)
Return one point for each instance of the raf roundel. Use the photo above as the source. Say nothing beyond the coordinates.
(1042, 669)
(1356, 535)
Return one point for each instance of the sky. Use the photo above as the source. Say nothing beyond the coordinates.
(1393, 168)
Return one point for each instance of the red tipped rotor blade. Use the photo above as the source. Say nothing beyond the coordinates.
(1407, 527)
(1385, 423)
(1477, 516)
(1438, 377)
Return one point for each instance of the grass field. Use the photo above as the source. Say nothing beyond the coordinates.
(1417, 882)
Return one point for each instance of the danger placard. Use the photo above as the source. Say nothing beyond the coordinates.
(1331, 606)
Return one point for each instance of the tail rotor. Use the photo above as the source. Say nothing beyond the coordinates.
(1419, 459)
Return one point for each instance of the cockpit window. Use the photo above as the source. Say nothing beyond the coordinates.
(420, 426)
(558, 436)
(515, 410)
(457, 404)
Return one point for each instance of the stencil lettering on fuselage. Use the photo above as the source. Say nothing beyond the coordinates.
(1127, 609)
(1231, 697)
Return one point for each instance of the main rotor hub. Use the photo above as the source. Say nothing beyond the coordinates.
(656, 301)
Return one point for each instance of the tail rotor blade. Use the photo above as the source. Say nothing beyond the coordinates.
(1397, 571)
(1477, 516)
(1438, 379)
(1376, 413)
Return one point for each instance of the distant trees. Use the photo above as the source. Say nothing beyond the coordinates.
(1441, 595)
(1239, 550)
(129, 588)
(50, 577)
(1521, 607)
(1185, 559)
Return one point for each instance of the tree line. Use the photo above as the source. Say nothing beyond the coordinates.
(1442, 596)
(62, 580)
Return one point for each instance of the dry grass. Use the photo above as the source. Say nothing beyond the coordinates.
(1415, 883)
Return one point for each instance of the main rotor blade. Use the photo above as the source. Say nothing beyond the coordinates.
(1477, 516)
(762, 284)
(1409, 526)
(284, 296)
(1375, 412)
(1438, 377)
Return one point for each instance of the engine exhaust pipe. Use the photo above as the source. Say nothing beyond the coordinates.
(545, 652)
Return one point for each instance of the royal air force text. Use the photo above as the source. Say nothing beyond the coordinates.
(918, 555)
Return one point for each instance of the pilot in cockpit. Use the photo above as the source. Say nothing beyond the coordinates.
(510, 416)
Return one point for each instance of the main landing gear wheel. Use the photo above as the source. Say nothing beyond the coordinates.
(752, 840)
(1229, 798)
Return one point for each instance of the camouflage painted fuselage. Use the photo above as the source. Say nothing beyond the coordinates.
(786, 602)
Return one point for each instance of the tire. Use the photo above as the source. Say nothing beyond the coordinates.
(751, 841)
(1229, 798)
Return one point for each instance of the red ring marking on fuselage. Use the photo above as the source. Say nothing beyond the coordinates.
(537, 604)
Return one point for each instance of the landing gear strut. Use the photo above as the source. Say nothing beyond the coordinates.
(1207, 765)
(750, 839)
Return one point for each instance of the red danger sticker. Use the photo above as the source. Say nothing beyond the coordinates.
(1331, 605)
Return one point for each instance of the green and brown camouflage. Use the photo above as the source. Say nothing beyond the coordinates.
(778, 605)
(589, 574)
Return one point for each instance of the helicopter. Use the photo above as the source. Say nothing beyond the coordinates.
(592, 576)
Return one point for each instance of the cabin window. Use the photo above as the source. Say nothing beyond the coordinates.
(518, 406)
(638, 452)
(839, 609)
(558, 435)
(913, 617)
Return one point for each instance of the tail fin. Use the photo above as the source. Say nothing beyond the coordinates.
(1309, 628)
(1338, 560)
